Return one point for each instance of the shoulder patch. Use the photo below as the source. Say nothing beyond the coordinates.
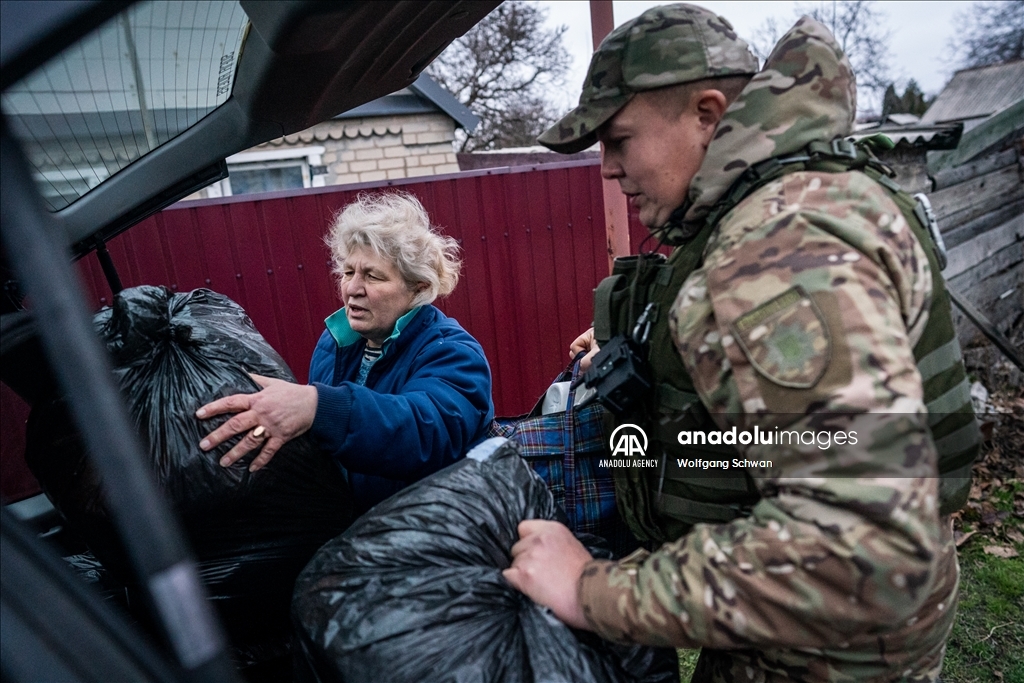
(786, 339)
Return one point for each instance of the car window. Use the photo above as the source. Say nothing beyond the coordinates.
(138, 81)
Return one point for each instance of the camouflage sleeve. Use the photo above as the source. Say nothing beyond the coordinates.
(803, 319)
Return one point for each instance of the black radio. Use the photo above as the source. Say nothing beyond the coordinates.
(619, 375)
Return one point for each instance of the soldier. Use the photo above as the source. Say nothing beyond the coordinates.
(802, 297)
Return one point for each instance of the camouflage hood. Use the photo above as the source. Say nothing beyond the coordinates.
(805, 92)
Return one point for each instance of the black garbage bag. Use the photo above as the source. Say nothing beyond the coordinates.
(413, 591)
(252, 532)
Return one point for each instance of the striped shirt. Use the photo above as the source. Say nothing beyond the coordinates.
(370, 356)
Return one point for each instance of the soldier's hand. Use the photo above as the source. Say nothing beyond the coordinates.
(584, 342)
(547, 562)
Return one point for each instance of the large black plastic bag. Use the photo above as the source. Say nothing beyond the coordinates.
(252, 532)
(413, 591)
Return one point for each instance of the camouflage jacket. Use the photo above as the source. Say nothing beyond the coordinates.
(804, 314)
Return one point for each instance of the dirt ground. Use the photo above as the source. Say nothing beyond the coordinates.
(988, 636)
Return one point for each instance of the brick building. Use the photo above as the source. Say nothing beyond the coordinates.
(403, 135)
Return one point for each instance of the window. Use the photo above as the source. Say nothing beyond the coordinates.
(268, 176)
(269, 170)
(141, 79)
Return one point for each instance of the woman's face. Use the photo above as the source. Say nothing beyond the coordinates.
(374, 295)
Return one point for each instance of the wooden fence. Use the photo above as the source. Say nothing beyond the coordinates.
(978, 198)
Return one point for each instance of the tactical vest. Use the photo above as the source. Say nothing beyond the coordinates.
(663, 505)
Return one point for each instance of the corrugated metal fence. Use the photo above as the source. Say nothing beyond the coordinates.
(534, 248)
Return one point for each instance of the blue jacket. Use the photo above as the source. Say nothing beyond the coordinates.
(426, 402)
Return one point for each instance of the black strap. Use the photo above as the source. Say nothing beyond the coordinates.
(602, 305)
(698, 510)
(836, 156)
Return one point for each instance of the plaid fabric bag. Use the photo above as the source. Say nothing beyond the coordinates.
(565, 448)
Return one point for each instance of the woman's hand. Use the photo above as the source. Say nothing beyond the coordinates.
(584, 342)
(547, 562)
(283, 409)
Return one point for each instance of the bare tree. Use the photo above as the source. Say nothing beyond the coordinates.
(502, 70)
(858, 28)
(766, 36)
(990, 33)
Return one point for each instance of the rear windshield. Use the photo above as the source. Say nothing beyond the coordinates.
(138, 81)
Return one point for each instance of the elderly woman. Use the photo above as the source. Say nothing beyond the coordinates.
(397, 390)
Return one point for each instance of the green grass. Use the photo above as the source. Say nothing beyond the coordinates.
(1003, 497)
(988, 635)
(687, 663)
(987, 644)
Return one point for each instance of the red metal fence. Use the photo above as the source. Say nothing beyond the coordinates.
(534, 248)
(533, 241)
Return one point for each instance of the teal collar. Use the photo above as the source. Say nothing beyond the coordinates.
(344, 335)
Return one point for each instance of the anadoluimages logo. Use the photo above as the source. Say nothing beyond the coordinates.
(628, 440)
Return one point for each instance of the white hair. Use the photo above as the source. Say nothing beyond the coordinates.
(395, 227)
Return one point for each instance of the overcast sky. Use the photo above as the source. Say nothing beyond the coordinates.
(918, 47)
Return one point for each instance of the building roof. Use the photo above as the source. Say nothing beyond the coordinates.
(977, 93)
(423, 96)
(904, 119)
(906, 131)
(992, 134)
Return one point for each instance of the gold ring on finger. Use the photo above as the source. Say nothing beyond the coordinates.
(260, 432)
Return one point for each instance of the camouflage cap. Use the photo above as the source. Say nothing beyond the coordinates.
(665, 45)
